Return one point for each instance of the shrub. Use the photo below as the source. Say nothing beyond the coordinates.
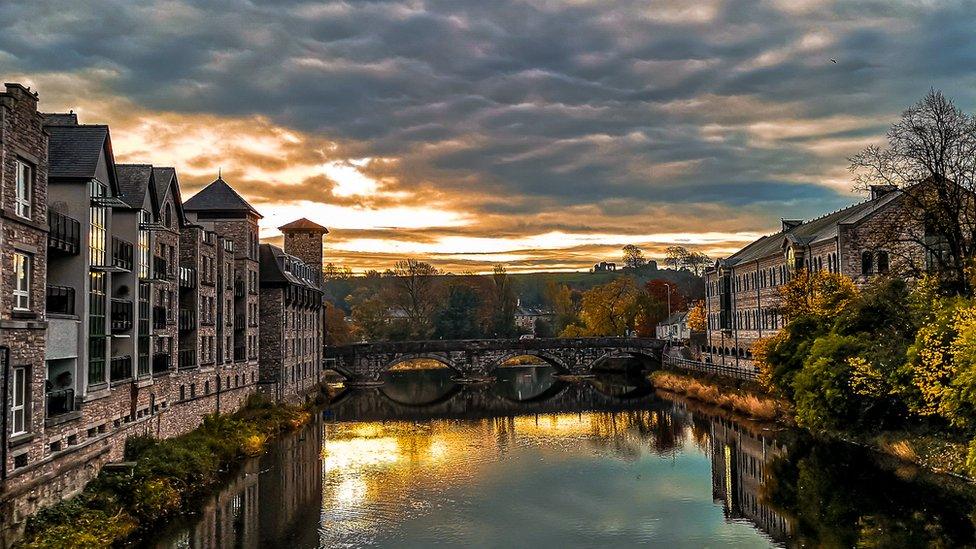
(155, 498)
(822, 389)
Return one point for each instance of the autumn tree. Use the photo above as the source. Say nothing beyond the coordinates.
(369, 313)
(697, 317)
(697, 262)
(559, 298)
(930, 156)
(500, 303)
(458, 319)
(820, 293)
(675, 256)
(338, 330)
(634, 256)
(416, 293)
(610, 309)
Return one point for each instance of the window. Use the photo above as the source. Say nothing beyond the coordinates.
(867, 263)
(168, 216)
(19, 408)
(22, 276)
(25, 182)
(882, 262)
(99, 224)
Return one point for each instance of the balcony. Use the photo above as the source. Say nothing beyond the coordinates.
(121, 254)
(159, 315)
(158, 272)
(143, 365)
(239, 322)
(60, 300)
(188, 277)
(188, 320)
(240, 354)
(161, 363)
(64, 233)
(61, 401)
(121, 316)
(121, 368)
(188, 358)
(239, 288)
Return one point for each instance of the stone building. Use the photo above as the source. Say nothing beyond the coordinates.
(742, 290)
(292, 312)
(124, 311)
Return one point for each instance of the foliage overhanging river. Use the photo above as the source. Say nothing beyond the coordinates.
(532, 461)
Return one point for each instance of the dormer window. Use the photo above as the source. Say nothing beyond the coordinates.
(24, 189)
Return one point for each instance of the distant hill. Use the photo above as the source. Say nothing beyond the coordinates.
(530, 287)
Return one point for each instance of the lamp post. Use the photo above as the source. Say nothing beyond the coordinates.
(669, 298)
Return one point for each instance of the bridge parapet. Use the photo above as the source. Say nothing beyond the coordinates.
(477, 358)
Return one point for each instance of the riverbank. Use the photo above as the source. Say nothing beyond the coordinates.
(160, 479)
(938, 452)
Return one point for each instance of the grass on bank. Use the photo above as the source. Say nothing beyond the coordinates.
(169, 475)
(736, 399)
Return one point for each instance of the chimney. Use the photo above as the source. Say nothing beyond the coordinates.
(790, 224)
(877, 191)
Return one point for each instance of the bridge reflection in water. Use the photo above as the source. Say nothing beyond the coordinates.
(535, 461)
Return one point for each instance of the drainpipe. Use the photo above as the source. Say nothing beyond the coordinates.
(5, 359)
(759, 316)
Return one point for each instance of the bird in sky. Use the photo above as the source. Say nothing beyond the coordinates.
(833, 61)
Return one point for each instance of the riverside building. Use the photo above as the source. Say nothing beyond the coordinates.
(742, 290)
(124, 310)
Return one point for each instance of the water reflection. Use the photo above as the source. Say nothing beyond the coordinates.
(424, 461)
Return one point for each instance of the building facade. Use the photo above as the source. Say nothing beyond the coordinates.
(125, 311)
(742, 291)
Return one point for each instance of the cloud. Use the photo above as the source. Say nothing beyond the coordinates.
(504, 119)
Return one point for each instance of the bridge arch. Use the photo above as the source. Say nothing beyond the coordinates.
(549, 358)
(408, 357)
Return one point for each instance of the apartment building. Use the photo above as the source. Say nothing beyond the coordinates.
(742, 290)
(124, 310)
(292, 311)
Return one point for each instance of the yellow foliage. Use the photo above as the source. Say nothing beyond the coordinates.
(697, 317)
(610, 309)
(866, 380)
(743, 402)
(820, 293)
(760, 358)
(253, 445)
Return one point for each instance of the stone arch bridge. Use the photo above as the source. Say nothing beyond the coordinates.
(475, 359)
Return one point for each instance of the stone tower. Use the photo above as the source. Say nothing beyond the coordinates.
(303, 239)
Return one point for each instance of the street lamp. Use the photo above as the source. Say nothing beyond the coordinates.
(669, 298)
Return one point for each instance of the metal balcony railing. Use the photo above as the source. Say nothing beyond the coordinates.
(143, 365)
(161, 362)
(60, 300)
(240, 354)
(188, 358)
(121, 315)
(159, 268)
(239, 321)
(160, 315)
(121, 254)
(188, 277)
(60, 402)
(64, 233)
(188, 319)
(121, 368)
(239, 288)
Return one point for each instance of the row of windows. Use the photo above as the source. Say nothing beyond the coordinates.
(750, 319)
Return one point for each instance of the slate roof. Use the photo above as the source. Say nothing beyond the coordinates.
(303, 224)
(270, 259)
(813, 231)
(675, 318)
(219, 196)
(134, 181)
(73, 151)
(60, 119)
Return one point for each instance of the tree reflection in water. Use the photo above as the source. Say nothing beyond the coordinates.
(424, 460)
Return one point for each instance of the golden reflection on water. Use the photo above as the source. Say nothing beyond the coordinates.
(376, 473)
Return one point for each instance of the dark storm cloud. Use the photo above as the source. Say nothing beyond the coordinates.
(533, 103)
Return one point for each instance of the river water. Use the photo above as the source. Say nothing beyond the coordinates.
(533, 461)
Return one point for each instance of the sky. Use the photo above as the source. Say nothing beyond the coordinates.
(542, 134)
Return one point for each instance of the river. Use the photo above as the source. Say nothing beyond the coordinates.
(534, 461)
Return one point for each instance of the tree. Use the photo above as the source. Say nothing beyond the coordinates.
(500, 303)
(675, 256)
(416, 294)
(338, 330)
(697, 262)
(610, 309)
(634, 256)
(820, 294)
(370, 313)
(559, 298)
(697, 317)
(459, 317)
(931, 158)
(542, 328)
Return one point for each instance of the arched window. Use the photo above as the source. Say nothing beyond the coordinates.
(867, 263)
(882, 262)
(168, 216)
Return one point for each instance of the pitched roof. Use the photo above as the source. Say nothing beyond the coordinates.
(816, 230)
(134, 182)
(73, 151)
(303, 224)
(218, 196)
(60, 118)
(165, 179)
